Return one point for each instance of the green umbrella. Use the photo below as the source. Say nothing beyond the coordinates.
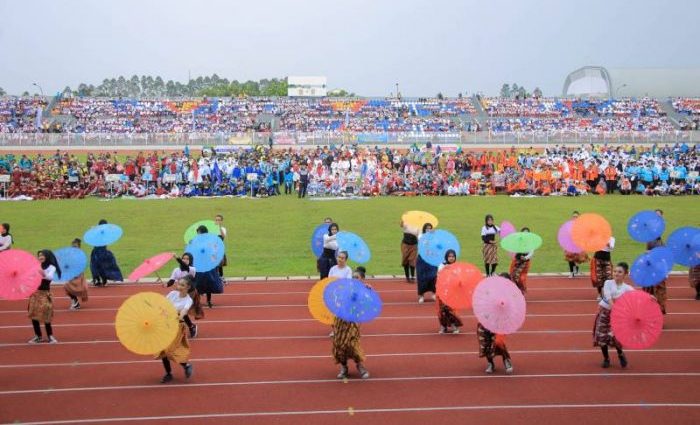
(521, 242)
(191, 231)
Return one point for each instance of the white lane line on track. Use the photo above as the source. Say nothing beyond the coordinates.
(222, 307)
(326, 381)
(327, 357)
(418, 409)
(325, 337)
(431, 317)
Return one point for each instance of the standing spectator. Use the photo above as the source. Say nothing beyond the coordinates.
(303, 181)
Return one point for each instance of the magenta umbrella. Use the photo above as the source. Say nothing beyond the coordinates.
(499, 305)
(636, 320)
(565, 240)
(507, 228)
(20, 274)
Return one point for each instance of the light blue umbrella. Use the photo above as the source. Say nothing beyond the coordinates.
(103, 235)
(352, 301)
(317, 239)
(432, 246)
(72, 262)
(207, 250)
(684, 250)
(646, 226)
(357, 249)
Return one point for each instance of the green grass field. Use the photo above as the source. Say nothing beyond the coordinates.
(270, 237)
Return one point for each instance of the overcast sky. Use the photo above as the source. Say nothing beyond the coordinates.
(365, 46)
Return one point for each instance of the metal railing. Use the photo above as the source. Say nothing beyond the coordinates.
(281, 139)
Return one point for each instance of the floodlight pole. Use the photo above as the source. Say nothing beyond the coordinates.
(40, 89)
(617, 91)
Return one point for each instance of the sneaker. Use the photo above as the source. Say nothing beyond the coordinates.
(52, 339)
(433, 297)
(193, 331)
(343, 372)
(421, 300)
(455, 330)
(508, 365)
(188, 370)
(167, 378)
(576, 271)
(571, 276)
(364, 373)
(77, 306)
(331, 335)
(489, 368)
(605, 364)
(35, 340)
(623, 361)
(210, 305)
(442, 330)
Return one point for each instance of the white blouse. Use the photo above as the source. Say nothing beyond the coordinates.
(178, 274)
(5, 242)
(613, 291)
(344, 273)
(494, 230)
(329, 242)
(49, 272)
(181, 303)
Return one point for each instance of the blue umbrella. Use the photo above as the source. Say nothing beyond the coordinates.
(662, 255)
(646, 226)
(648, 271)
(103, 235)
(357, 249)
(352, 301)
(432, 246)
(207, 250)
(317, 239)
(72, 262)
(681, 243)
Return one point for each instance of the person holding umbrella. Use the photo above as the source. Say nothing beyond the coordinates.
(573, 258)
(40, 304)
(179, 349)
(602, 331)
(207, 282)
(447, 317)
(409, 252)
(5, 237)
(346, 339)
(184, 269)
(219, 219)
(490, 248)
(103, 264)
(694, 280)
(601, 266)
(492, 345)
(519, 267)
(76, 287)
(426, 274)
(658, 291)
(330, 246)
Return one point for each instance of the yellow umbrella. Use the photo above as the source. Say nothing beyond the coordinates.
(317, 307)
(416, 219)
(146, 323)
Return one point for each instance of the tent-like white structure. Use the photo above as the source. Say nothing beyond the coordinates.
(589, 81)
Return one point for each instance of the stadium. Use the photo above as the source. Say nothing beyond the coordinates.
(284, 250)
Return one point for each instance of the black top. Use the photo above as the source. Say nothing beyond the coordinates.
(409, 239)
(45, 285)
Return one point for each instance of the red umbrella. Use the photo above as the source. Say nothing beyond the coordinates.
(20, 274)
(150, 265)
(499, 305)
(636, 320)
(455, 284)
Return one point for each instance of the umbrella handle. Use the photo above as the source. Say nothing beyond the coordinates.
(158, 280)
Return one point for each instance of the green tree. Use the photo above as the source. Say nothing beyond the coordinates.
(2, 92)
(505, 90)
(537, 92)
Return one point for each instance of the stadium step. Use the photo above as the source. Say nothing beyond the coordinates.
(674, 117)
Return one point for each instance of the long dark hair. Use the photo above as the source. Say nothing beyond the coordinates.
(486, 221)
(447, 254)
(330, 226)
(425, 226)
(103, 221)
(6, 226)
(50, 260)
(202, 229)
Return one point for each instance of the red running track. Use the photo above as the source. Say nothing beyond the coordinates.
(260, 359)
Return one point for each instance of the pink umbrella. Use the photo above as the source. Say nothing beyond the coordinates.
(20, 274)
(507, 228)
(150, 265)
(636, 320)
(564, 238)
(499, 305)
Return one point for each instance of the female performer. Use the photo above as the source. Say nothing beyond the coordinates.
(76, 287)
(519, 267)
(40, 304)
(447, 317)
(490, 249)
(184, 269)
(346, 340)
(602, 331)
(601, 266)
(330, 246)
(5, 237)
(409, 253)
(492, 345)
(341, 270)
(426, 273)
(103, 265)
(574, 259)
(179, 349)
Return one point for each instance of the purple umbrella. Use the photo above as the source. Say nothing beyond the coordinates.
(565, 240)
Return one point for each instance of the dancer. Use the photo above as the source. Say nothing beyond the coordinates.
(694, 280)
(520, 266)
(409, 253)
(492, 345)
(346, 340)
(341, 270)
(185, 269)
(40, 304)
(5, 237)
(179, 349)
(219, 219)
(447, 317)
(426, 273)
(330, 246)
(658, 291)
(601, 266)
(103, 265)
(574, 259)
(76, 287)
(327, 221)
(602, 331)
(490, 248)
(208, 282)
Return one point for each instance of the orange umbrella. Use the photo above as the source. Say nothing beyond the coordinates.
(591, 232)
(317, 307)
(455, 284)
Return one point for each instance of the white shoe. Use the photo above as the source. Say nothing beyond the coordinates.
(35, 340)
(489, 368)
(571, 276)
(455, 330)
(52, 340)
(433, 297)
(442, 330)
(508, 365)
(421, 300)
